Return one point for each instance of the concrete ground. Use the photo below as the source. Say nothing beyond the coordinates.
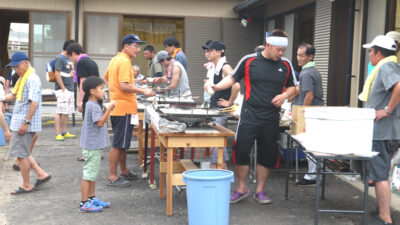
(57, 201)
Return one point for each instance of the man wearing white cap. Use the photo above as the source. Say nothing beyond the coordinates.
(382, 92)
(268, 83)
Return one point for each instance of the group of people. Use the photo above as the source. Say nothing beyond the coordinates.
(269, 81)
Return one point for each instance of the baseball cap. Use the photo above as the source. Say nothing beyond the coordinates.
(161, 55)
(394, 35)
(17, 58)
(383, 42)
(132, 38)
(217, 45)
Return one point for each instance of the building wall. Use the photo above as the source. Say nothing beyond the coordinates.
(276, 7)
(177, 8)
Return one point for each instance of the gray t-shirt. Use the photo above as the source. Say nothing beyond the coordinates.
(92, 136)
(310, 80)
(60, 64)
(381, 91)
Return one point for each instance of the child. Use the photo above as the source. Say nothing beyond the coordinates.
(94, 137)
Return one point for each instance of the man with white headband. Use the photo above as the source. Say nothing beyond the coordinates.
(268, 82)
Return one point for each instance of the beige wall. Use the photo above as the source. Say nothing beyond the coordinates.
(276, 7)
(179, 8)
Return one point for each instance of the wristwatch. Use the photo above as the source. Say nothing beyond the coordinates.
(386, 110)
(27, 122)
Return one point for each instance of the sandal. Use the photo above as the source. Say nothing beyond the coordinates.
(20, 190)
(119, 182)
(130, 176)
(39, 183)
(81, 159)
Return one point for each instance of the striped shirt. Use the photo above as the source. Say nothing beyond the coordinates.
(32, 93)
(92, 136)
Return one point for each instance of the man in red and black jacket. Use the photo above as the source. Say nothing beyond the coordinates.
(268, 83)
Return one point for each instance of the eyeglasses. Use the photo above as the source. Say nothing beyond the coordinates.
(136, 46)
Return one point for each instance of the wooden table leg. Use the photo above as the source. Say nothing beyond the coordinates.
(169, 180)
(207, 153)
(220, 163)
(140, 143)
(162, 175)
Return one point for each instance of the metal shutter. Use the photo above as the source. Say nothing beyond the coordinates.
(240, 41)
(322, 40)
(197, 32)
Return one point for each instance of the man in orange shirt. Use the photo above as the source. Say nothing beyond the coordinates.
(119, 78)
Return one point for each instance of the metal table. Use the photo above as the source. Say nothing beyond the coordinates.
(320, 159)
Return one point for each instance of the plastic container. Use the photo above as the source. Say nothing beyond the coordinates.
(339, 130)
(208, 194)
(2, 138)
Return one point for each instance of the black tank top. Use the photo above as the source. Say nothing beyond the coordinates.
(225, 94)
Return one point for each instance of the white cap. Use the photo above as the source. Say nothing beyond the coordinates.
(394, 35)
(383, 42)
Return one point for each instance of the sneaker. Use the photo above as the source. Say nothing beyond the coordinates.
(262, 197)
(68, 135)
(237, 196)
(59, 137)
(88, 207)
(97, 202)
(306, 182)
(119, 182)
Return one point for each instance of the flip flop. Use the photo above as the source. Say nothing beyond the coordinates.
(41, 182)
(20, 190)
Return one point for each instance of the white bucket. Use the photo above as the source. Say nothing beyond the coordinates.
(339, 130)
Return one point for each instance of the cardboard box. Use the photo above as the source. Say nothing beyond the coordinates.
(298, 124)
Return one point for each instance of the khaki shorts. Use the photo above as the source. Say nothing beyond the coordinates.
(91, 166)
(20, 145)
(65, 102)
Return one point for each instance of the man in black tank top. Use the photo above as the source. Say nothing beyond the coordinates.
(215, 53)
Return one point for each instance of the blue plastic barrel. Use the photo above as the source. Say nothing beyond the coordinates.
(2, 138)
(208, 194)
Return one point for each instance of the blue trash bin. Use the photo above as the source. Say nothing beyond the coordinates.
(208, 194)
(2, 138)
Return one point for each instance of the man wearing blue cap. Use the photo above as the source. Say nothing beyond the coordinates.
(26, 121)
(120, 81)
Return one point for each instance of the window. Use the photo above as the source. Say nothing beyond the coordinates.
(153, 31)
(49, 31)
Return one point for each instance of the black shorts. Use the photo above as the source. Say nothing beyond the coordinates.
(266, 133)
(380, 164)
(122, 129)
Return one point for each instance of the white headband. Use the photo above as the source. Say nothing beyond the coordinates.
(277, 41)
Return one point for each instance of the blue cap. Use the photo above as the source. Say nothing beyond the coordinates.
(17, 58)
(131, 38)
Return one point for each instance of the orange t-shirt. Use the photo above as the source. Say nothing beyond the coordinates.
(120, 70)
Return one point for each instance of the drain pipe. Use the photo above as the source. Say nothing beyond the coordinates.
(76, 39)
(349, 54)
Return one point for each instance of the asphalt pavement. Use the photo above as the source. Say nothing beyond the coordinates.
(57, 201)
